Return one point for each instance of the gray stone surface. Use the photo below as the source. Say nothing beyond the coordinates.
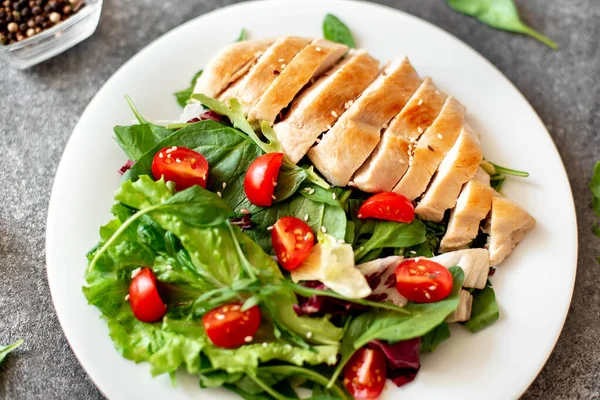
(40, 107)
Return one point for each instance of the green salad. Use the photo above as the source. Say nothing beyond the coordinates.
(253, 274)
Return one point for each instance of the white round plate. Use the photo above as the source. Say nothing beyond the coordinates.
(533, 286)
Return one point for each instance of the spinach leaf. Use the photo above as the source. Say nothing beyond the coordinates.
(499, 14)
(183, 96)
(432, 340)
(243, 36)
(484, 311)
(423, 317)
(336, 31)
(4, 350)
(433, 234)
(135, 140)
(393, 234)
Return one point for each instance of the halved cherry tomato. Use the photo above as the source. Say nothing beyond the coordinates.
(145, 301)
(261, 179)
(292, 241)
(183, 166)
(365, 374)
(423, 281)
(227, 326)
(389, 206)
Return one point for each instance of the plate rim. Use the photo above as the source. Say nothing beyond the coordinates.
(257, 3)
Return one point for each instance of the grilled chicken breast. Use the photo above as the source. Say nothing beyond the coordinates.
(458, 167)
(229, 65)
(349, 143)
(475, 264)
(463, 311)
(507, 225)
(389, 161)
(432, 147)
(309, 63)
(253, 85)
(472, 206)
(319, 106)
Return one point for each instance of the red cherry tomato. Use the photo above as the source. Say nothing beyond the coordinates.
(423, 281)
(261, 179)
(292, 241)
(183, 166)
(389, 206)
(227, 326)
(146, 304)
(365, 374)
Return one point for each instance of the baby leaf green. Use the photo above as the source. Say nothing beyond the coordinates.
(336, 31)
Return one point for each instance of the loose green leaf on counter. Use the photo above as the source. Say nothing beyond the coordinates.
(4, 350)
(499, 14)
(336, 31)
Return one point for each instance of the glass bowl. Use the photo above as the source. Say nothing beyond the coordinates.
(55, 40)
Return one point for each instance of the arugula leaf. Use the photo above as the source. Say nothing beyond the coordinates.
(4, 350)
(393, 234)
(242, 36)
(484, 311)
(183, 96)
(336, 31)
(499, 14)
(432, 339)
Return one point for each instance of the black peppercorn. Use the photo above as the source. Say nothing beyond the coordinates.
(67, 9)
(25, 12)
(36, 10)
(23, 27)
(31, 23)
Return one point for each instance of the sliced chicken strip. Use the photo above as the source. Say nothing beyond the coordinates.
(475, 264)
(472, 206)
(463, 311)
(309, 63)
(319, 106)
(388, 163)
(229, 65)
(356, 134)
(457, 168)
(431, 149)
(507, 225)
(253, 85)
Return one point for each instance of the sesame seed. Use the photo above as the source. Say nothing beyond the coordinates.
(306, 189)
(420, 130)
(328, 128)
(385, 126)
(323, 229)
(312, 191)
(318, 140)
(333, 196)
(432, 287)
(219, 194)
(427, 294)
(174, 148)
(168, 151)
(402, 161)
(127, 298)
(168, 155)
(245, 211)
(417, 259)
(248, 339)
(273, 197)
(306, 217)
(283, 66)
(160, 155)
(413, 271)
(220, 317)
(270, 228)
(274, 183)
(224, 185)
(265, 344)
(440, 136)
(177, 160)
(318, 49)
(359, 215)
(437, 92)
(309, 335)
(334, 114)
(413, 252)
(135, 272)
(281, 60)
(420, 102)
